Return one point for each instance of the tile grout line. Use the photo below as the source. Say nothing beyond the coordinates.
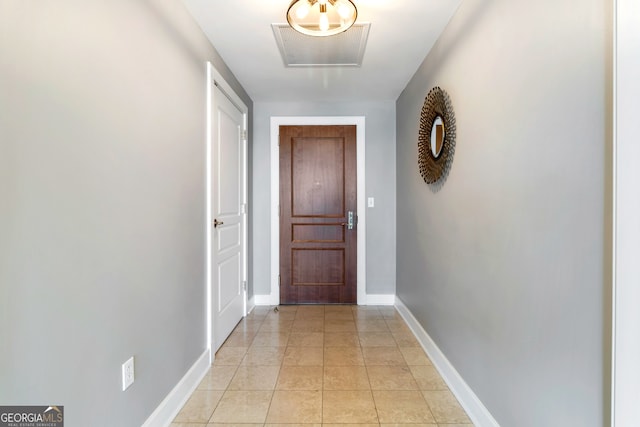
(266, 416)
(366, 368)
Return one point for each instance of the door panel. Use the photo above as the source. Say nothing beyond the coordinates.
(317, 177)
(318, 254)
(228, 273)
(305, 233)
(228, 156)
(228, 233)
(318, 267)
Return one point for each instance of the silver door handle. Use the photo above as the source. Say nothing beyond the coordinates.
(349, 223)
(216, 223)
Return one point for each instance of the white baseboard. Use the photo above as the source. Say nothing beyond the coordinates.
(263, 299)
(478, 413)
(175, 400)
(380, 299)
(251, 304)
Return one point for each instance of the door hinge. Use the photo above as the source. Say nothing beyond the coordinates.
(243, 134)
(243, 208)
(279, 280)
(244, 285)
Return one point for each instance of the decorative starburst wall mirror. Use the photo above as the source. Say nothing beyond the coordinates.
(436, 136)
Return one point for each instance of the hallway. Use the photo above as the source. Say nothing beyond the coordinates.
(322, 365)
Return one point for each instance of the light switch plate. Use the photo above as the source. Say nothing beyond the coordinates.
(128, 373)
(370, 202)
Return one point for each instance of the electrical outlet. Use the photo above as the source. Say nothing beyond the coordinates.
(128, 373)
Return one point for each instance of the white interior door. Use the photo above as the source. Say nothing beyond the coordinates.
(227, 215)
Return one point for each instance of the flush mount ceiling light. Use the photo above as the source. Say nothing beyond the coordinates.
(321, 17)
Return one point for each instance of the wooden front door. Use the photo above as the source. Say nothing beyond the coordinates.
(318, 253)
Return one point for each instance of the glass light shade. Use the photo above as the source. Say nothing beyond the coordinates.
(321, 17)
(343, 9)
(303, 10)
(324, 22)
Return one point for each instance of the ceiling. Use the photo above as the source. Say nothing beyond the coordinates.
(401, 34)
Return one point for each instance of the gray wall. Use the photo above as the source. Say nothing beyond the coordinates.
(102, 204)
(380, 183)
(504, 266)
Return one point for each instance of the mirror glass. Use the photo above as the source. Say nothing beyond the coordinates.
(437, 136)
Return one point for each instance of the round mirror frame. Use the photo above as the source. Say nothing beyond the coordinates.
(436, 104)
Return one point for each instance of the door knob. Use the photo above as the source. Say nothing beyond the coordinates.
(216, 223)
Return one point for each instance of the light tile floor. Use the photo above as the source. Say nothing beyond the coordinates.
(321, 365)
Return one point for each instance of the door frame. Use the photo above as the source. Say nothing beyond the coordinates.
(276, 122)
(625, 344)
(215, 78)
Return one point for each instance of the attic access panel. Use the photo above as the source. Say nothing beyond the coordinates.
(341, 50)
